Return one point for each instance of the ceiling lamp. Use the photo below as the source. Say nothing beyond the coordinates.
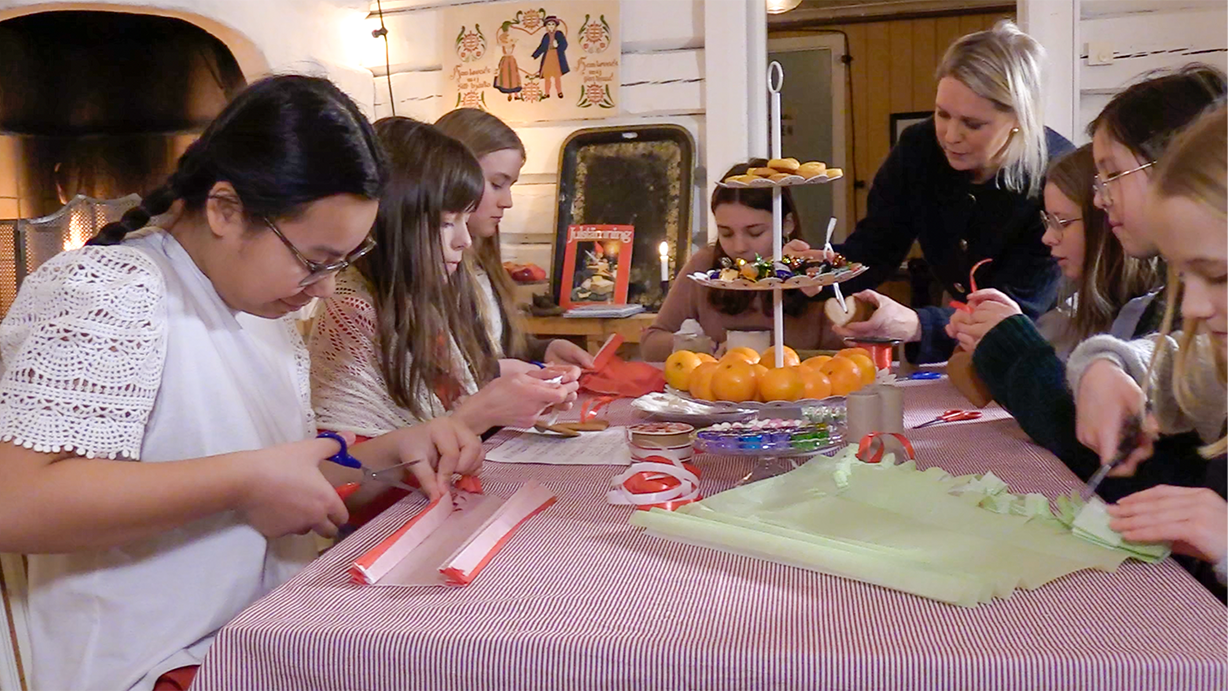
(781, 6)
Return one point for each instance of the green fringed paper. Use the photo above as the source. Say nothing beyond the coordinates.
(962, 540)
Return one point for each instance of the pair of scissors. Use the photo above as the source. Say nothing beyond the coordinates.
(343, 458)
(1132, 437)
(954, 415)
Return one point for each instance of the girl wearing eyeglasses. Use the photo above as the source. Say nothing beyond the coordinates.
(1105, 291)
(1021, 369)
(1177, 382)
(399, 342)
(159, 455)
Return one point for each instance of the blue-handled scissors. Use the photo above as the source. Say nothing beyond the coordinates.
(343, 458)
(925, 375)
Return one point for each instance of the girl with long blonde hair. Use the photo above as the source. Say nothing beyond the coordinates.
(1180, 376)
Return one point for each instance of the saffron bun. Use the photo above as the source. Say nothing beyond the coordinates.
(784, 165)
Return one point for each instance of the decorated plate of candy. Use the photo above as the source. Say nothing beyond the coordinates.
(788, 273)
(769, 437)
(801, 407)
(784, 172)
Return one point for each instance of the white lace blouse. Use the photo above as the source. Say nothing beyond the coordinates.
(127, 352)
(348, 390)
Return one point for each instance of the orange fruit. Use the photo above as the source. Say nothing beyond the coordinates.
(816, 384)
(816, 361)
(733, 380)
(866, 365)
(700, 384)
(760, 370)
(747, 355)
(678, 368)
(783, 384)
(705, 357)
(844, 374)
(846, 351)
(768, 357)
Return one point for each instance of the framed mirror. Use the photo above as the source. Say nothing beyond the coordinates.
(638, 176)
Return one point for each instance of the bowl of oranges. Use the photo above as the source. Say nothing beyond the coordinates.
(751, 380)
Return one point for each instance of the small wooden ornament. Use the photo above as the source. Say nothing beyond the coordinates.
(858, 311)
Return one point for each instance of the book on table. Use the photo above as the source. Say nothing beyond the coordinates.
(596, 265)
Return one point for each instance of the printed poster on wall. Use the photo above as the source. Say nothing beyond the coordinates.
(530, 61)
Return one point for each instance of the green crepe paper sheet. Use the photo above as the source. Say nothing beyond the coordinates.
(962, 540)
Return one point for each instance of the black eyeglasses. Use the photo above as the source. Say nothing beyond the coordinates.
(1057, 225)
(317, 271)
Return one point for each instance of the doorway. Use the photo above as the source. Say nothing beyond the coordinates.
(812, 126)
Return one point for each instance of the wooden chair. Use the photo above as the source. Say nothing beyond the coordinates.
(14, 627)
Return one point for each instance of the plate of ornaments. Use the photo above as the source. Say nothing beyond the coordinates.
(784, 172)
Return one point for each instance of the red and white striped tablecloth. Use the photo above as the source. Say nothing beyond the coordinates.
(579, 599)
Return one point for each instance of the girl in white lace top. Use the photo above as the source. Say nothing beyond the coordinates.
(160, 465)
(399, 342)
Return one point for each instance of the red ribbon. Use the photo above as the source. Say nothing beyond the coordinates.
(876, 438)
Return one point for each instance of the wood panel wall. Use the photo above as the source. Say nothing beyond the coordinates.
(892, 72)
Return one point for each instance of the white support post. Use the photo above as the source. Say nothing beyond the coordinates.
(735, 55)
(776, 80)
(1055, 24)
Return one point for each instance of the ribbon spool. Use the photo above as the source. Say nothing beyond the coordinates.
(877, 444)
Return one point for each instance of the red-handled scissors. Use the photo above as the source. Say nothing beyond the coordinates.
(951, 416)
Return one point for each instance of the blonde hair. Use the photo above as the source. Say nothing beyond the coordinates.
(1195, 168)
(1003, 65)
(485, 134)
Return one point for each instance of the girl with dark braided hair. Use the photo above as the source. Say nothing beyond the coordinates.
(159, 455)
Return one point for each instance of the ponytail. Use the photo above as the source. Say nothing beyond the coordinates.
(154, 204)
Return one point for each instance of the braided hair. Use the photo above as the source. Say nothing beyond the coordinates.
(284, 142)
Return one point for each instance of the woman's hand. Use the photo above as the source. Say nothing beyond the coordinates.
(285, 492)
(518, 399)
(564, 352)
(890, 320)
(989, 307)
(1107, 398)
(437, 450)
(1194, 519)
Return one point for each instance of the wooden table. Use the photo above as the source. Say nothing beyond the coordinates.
(594, 332)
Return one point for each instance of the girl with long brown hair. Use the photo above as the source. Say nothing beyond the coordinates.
(501, 155)
(398, 342)
(744, 230)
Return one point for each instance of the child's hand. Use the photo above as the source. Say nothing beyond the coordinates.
(1195, 519)
(442, 448)
(988, 308)
(1106, 399)
(517, 399)
(287, 494)
(564, 352)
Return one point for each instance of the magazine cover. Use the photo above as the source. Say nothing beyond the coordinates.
(596, 265)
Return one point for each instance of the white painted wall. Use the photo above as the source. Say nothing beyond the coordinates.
(323, 37)
(1104, 45)
(664, 68)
